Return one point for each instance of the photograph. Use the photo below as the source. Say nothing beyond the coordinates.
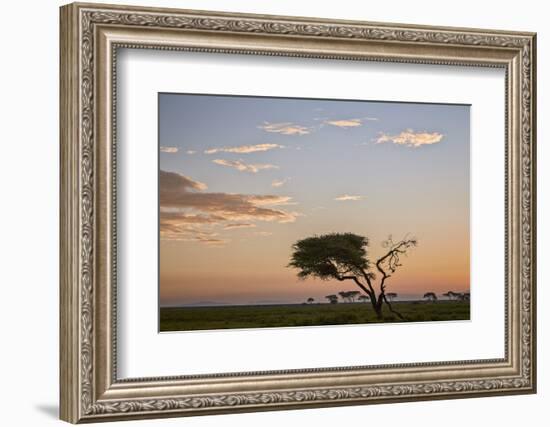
(286, 212)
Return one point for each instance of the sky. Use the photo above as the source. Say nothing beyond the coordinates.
(243, 178)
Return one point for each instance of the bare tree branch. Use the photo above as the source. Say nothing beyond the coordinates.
(391, 259)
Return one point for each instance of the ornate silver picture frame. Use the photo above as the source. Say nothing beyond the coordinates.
(91, 390)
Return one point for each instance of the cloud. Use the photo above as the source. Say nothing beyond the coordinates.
(188, 227)
(187, 212)
(198, 236)
(271, 200)
(244, 149)
(263, 233)
(348, 123)
(190, 152)
(286, 128)
(211, 241)
(180, 192)
(347, 197)
(170, 150)
(411, 138)
(176, 217)
(244, 167)
(239, 225)
(174, 183)
(279, 182)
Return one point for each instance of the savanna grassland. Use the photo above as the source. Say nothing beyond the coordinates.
(264, 316)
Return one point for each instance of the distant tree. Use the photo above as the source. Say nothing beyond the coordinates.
(349, 296)
(430, 296)
(450, 295)
(363, 298)
(344, 295)
(353, 294)
(333, 299)
(391, 296)
(310, 300)
(463, 296)
(343, 256)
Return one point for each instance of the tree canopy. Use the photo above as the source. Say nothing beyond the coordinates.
(430, 296)
(331, 256)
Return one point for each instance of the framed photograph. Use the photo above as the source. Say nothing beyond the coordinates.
(228, 240)
(266, 212)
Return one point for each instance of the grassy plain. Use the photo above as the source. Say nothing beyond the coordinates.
(263, 316)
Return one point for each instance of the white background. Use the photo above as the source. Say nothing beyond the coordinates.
(145, 353)
(29, 170)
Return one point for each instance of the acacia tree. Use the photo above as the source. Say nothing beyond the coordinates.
(344, 295)
(363, 298)
(310, 300)
(333, 299)
(349, 296)
(430, 296)
(343, 256)
(450, 295)
(463, 296)
(353, 294)
(391, 296)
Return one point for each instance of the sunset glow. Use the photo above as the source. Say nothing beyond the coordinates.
(243, 178)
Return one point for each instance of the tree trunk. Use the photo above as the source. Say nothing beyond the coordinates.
(377, 309)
